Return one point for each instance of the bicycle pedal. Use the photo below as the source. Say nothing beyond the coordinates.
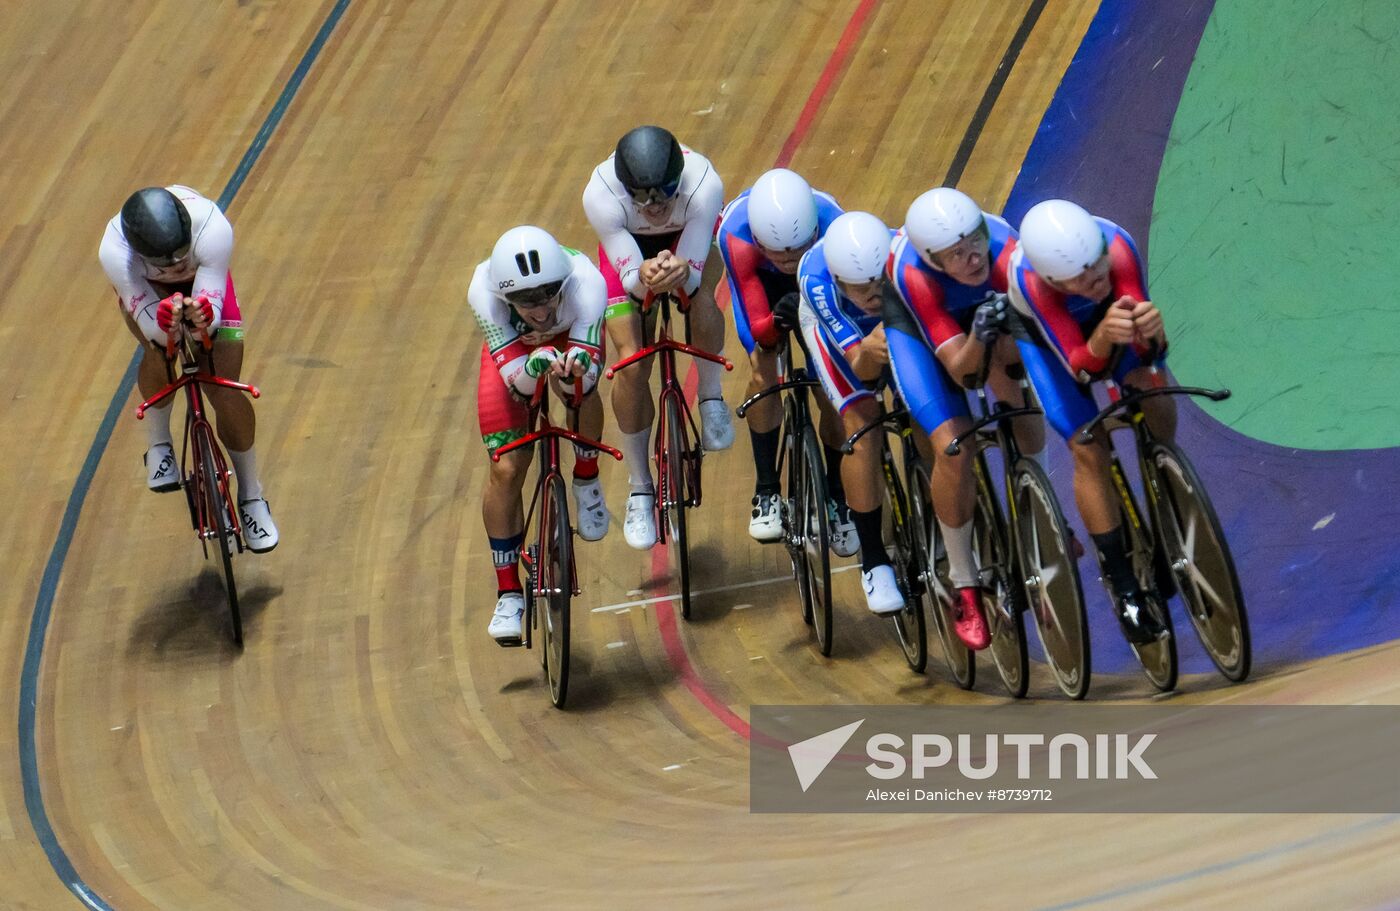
(510, 642)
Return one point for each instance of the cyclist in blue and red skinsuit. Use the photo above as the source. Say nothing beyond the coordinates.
(948, 261)
(1082, 284)
(762, 236)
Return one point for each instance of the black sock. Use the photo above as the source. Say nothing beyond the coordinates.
(765, 460)
(1113, 558)
(872, 545)
(833, 474)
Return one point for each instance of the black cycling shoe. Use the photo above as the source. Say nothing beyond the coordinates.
(1138, 614)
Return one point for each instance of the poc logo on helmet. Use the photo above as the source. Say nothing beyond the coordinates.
(508, 283)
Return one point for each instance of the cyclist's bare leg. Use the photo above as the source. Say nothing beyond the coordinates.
(706, 323)
(590, 410)
(1160, 411)
(632, 403)
(1029, 430)
(151, 375)
(501, 507)
(860, 471)
(766, 414)
(237, 421)
(1093, 486)
(954, 486)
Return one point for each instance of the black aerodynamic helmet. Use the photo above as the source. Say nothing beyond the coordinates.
(649, 162)
(156, 224)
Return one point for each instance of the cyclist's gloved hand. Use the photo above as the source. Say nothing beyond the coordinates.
(200, 312)
(785, 311)
(540, 360)
(169, 312)
(990, 321)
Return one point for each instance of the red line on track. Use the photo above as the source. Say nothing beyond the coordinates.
(666, 610)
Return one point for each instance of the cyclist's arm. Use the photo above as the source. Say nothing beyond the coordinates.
(139, 299)
(589, 293)
(924, 302)
(507, 349)
(702, 211)
(1046, 308)
(1129, 277)
(212, 249)
(741, 271)
(609, 220)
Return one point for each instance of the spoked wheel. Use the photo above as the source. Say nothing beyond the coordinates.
(1050, 576)
(962, 663)
(1001, 592)
(1158, 659)
(674, 496)
(216, 508)
(902, 531)
(556, 569)
(1200, 561)
(816, 537)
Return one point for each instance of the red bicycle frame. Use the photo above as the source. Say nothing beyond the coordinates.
(666, 347)
(190, 380)
(550, 434)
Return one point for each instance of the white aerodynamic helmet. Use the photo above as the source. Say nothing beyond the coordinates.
(1061, 239)
(940, 218)
(782, 211)
(528, 266)
(857, 245)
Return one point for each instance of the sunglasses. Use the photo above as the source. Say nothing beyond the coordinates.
(532, 298)
(650, 196)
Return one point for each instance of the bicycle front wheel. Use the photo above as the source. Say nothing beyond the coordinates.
(1200, 561)
(816, 538)
(1001, 595)
(903, 521)
(794, 507)
(674, 494)
(221, 524)
(556, 568)
(1050, 575)
(961, 660)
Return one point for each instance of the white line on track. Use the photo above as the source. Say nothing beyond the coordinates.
(627, 605)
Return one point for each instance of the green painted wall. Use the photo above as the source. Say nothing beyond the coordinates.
(1275, 246)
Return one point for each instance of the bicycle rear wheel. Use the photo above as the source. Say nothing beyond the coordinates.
(1200, 561)
(1050, 576)
(1158, 658)
(961, 661)
(674, 494)
(556, 568)
(217, 511)
(1001, 595)
(902, 531)
(816, 538)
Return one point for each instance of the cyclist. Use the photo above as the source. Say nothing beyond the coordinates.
(654, 204)
(950, 261)
(762, 235)
(166, 254)
(842, 280)
(1083, 285)
(541, 307)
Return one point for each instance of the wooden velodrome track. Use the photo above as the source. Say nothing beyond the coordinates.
(372, 749)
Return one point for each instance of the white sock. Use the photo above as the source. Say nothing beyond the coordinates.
(710, 375)
(636, 450)
(245, 467)
(962, 564)
(158, 425)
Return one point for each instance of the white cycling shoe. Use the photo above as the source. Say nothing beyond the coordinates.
(716, 426)
(162, 468)
(882, 591)
(259, 531)
(592, 512)
(766, 522)
(844, 540)
(505, 622)
(639, 525)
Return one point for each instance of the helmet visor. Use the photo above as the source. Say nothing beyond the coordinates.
(650, 196)
(538, 296)
(165, 262)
